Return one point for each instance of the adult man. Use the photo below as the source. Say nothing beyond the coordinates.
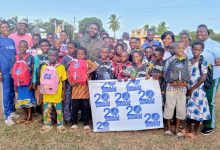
(7, 55)
(211, 54)
(150, 40)
(91, 41)
(125, 38)
(21, 34)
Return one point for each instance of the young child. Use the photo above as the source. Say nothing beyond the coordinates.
(35, 49)
(52, 82)
(155, 67)
(138, 69)
(197, 107)
(176, 75)
(112, 53)
(64, 40)
(39, 61)
(105, 69)
(23, 82)
(71, 56)
(148, 52)
(121, 67)
(80, 93)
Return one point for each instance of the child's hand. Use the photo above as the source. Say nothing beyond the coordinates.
(1, 77)
(30, 87)
(190, 91)
(155, 76)
(34, 86)
(63, 95)
(16, 88)
(125, 79)
(147, 76)
(119, 79)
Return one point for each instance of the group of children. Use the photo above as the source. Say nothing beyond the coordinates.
(59, 81)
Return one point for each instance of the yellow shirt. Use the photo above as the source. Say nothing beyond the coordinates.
(56, 98)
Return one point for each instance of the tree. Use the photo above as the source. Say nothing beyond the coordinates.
(114, 23)
(13, 22)
(161, 28)
(146, 26)
(84, 23)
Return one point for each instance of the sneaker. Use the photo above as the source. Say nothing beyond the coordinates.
(9, 122)
(74, 127)
(14, 115)
(207, 131)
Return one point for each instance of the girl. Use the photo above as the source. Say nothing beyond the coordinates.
(80, 93)
(26, 99)
(71, 47)
(138, 69)
(197, 108)
(53, 99)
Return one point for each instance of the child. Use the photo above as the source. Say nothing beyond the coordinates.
(35, 49)
(155, 69)
(71, 46)
(138, 69)
(23, 84)
(105, 69)
(197, 107)
(39, 61)
(176, 75)
(80, 93)
(52, 82)
(148, 52)
(63, 39)
(121, 67)
(112, 53)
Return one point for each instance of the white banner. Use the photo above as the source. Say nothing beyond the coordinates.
(124, 106)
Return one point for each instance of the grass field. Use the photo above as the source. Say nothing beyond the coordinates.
(27, 137)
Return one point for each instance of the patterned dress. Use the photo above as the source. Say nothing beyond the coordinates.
(197, 106)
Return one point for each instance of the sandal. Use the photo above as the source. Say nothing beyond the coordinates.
(168, 132)
(87, 128)
(74, 127)
(179, 135)
(46, 129)
(61, 129)
(28, 122)
(22, 120)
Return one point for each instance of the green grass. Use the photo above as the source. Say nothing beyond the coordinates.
(26, 137)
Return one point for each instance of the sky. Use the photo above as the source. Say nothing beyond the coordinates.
(134, 14)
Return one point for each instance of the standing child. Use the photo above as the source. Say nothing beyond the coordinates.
(121, 67)
(80, 90)
(70, 57)
(148, 52)
(39, 61)
(176, 75)
(52, 86)
(197, 107)
(22, 75)
(138, 69)
(105, 68)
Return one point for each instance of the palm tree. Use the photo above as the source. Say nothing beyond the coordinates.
(114, 23)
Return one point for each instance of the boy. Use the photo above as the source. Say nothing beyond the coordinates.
(53, 99)
(148, 52)
(177, 77)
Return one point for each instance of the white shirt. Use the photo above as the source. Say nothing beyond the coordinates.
(210, 53)
(167, 55)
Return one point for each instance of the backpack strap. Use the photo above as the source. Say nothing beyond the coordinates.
(200, 64)
(25, 57)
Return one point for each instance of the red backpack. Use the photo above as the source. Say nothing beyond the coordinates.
(20, 72)
(77, 72)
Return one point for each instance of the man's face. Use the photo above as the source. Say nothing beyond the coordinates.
(93, 30)
(21, 28)
(202, 34)
(150, 35)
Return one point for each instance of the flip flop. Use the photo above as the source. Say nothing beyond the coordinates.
(168, 132)
(61, 129)
(46, 129)
(179, 135)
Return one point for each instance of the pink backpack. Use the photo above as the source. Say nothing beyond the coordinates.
(49, 80)
(20, 72)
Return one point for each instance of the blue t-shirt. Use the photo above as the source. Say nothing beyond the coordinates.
(7, 54)
(154, 43)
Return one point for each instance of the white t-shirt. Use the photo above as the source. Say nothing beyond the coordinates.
(210, 53)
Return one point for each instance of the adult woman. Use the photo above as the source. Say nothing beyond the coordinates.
(168, 38)
(184, 37)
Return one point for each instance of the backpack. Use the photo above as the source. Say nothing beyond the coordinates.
(38, 70)
(77, 72)
(104, 71)
(20, 72)
(49, 80)
(209, 79)
(178, 70)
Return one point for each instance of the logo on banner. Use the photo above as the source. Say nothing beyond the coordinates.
(134, 112)
(152, 120)
(133, 85)
(102, 100)
(108, 87)
(103, 126)
(122, 99)
(111, 114)
(146, 97)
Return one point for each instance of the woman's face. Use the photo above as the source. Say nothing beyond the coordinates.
(5, 30)
(167, 41)
(184, 38)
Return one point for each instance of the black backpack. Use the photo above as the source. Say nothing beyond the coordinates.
(209, 79)
(104, 71)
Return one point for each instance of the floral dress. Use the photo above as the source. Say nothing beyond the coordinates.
(197, 106)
